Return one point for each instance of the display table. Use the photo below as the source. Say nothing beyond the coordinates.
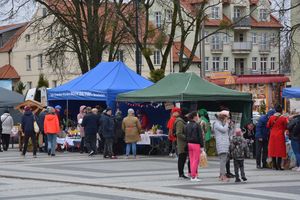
(68, 141)
(157, 142)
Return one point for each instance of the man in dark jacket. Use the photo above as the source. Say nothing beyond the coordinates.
(90, 124)
(28, 129)
(294, 135)
(108, 129)
(119, 143)
(262, 138)
(41, 126)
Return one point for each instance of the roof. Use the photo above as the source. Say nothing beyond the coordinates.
(217, 22)
(184, 87)
(293, 92)
(9, 98)
(102, 83)
(254, 79)
(8, 72)
(186, 51)
(11, 42)
(273, 23)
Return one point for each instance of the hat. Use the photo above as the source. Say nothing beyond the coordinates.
(224, 112)
(108, 109)
(58, 107)
(26, 108)
(238, 132)
(175, 109)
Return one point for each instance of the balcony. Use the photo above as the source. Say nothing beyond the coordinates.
(247, 71)
(241, 47)
(241, 23)
(264, 48)
(216, 47)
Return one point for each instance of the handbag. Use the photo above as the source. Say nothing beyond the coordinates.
(36, 126)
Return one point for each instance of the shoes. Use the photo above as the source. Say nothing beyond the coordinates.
(183, 177)
(49, 152)
(196, 179)
(237, 180)
(2, 150)
(34, 156)
(258, 167)
(230, 175)
(91, 153)
(281, 169)
(52, 154)
(244, 178)
(127, 157)
(170, 155)
(223, 178)
(113, 157)
(105, 156)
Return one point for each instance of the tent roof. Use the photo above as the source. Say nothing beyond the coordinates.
(184, 87)
(9, 98)
(106, 79)
(293, 92)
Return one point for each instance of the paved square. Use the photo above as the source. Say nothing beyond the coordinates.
(77, 176)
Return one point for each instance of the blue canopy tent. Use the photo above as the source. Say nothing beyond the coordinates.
(292, 92)
(103, 83)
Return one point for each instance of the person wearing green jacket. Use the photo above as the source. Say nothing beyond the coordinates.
(179, 127)
(205, 125)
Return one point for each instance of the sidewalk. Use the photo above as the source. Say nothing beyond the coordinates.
(148, 175)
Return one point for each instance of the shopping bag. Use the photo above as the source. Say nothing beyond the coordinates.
(203, 160)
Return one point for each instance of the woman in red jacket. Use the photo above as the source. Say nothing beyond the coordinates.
(51, 129)
(277, 149)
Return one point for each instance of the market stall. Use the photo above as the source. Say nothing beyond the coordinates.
(99, 86)
(193, 91)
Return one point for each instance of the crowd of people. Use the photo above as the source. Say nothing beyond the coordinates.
(190, 133)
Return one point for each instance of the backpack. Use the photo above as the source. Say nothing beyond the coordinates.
(294, 126)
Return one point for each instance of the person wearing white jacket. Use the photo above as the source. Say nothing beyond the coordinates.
(221, 130)
(7, 125)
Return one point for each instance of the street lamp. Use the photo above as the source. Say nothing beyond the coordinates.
(137, 51)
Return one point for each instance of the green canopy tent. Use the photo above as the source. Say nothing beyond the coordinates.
(188, 87)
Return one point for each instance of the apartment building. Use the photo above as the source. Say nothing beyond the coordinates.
(295, 72)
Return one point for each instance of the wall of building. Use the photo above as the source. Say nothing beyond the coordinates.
(295, 68)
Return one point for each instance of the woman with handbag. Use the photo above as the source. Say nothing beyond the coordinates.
(28, 129)
(7, 125)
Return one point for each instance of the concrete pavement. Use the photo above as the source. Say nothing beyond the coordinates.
(77, 176)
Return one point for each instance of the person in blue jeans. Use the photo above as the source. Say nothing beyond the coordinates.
(132, 129)
(294, 135)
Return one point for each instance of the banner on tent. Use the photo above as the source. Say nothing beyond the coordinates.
(77, 93)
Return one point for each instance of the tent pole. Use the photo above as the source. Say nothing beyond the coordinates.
(67, 113)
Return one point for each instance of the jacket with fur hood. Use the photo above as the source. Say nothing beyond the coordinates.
(7, 123)
(51, 124)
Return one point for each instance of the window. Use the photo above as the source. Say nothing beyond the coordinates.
(28, 62)
(216, 64)
(254, 63)
(216, 43)
(158, 19)
(273, 38)
(263, 15)
(263, 65)
(54, 83)
(120, 55)
(263, 42)
(140, 58)
(169, 15)
(29, 85)
(27, 38)
(44, 12)
(40, 61)
(206, 63)
(254, 38)
(215, 12)
(225, 63)
(237, 12)
(205, 35)
(273, 63)
(225, 38)
(157, 59)
(1, 40)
